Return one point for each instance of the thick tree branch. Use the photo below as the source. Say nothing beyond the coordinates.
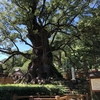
(12, 53)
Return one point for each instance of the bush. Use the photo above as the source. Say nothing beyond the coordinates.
(7, 91)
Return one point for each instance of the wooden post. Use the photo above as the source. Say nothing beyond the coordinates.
(38, 95)
(57, 97)
(81, 97)
(91, 90)
(14, 97)
(31, 98)
(86, 96)
(91, 93)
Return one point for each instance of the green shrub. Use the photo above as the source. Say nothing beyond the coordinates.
(7, 91)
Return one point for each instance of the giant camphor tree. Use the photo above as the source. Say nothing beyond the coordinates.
(49, 25)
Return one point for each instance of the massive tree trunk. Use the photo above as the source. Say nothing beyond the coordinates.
(41, 66)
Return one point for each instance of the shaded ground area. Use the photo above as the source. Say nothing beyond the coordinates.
(80, 86)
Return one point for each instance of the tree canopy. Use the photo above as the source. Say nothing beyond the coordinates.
(65, 28)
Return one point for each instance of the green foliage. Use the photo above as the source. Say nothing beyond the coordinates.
(73, 28)
(25, 66)
(21, 89)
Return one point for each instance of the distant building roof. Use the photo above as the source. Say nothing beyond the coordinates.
(18, 72)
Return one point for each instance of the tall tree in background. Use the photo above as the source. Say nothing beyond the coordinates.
(50, 25)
